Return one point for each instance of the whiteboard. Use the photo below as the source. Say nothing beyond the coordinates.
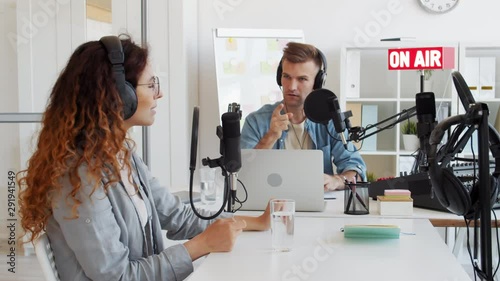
(246, 61)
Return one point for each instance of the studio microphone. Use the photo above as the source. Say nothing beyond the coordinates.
(231, 150)
(426, 121)
(321, 106)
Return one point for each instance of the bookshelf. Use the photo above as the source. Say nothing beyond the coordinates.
(366, 81)
(480, 67)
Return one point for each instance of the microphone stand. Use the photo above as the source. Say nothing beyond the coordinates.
(233, 183)
(422, 79)
(477, 118)
(230, 179)
(484, 191)
(230, 183)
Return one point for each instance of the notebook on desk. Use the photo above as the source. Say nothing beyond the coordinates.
(282, 174)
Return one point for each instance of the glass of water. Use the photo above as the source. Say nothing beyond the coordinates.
(282, 224)
(208, 188)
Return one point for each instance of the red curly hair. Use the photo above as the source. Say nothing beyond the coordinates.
(82, 125)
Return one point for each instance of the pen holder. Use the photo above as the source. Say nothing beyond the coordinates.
(356, 198)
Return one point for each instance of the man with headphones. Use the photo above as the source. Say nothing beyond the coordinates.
(283, 125)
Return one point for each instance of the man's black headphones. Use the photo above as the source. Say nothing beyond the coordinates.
(320, 78)
(449, 189)
(127, 93)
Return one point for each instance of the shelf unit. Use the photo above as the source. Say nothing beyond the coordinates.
(366, 80)
(483, 50)
(476, 80)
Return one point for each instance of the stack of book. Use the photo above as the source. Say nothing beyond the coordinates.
(395, 202)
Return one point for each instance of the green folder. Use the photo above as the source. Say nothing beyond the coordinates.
(384, 231)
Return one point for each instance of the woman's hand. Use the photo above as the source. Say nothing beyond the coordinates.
(262, 222)
(220, 236)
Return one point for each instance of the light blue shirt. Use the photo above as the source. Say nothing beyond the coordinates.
(257, 124)
(107, 241)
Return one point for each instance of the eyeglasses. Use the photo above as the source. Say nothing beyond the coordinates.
(154, 85)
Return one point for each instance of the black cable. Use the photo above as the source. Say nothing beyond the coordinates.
(246, 193)
(241, 201)
(330, 134)
(334, 138)
(498, 245)
(467, 224)
(191, 176)
(442, 147)
(471, 160)
(477, 270)
(416, 166)
(474, 158)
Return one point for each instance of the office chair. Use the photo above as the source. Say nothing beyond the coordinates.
(45, 257)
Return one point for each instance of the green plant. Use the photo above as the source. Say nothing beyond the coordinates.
(427, 73)
(370, 177)
(409, 128)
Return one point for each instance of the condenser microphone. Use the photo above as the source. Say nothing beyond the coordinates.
(231, 152)
(426, 120)
(321, 106)
(231, 141)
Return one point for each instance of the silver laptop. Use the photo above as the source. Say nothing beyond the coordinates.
(282, 174)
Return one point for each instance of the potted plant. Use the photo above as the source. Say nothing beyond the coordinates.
(427, 79)
(427, 74)
(370, 177)
(409, 132)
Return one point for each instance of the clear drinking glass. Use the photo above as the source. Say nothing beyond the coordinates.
(208, 188)
(282, 224)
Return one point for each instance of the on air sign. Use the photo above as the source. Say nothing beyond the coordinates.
(421, 58)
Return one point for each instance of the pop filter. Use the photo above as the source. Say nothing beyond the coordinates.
(321, 105)
(317, 106)
(194, 138)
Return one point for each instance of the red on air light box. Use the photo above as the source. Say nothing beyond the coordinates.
(421, 58)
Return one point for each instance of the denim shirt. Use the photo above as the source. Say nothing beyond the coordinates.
(257, 124)
(107, 241)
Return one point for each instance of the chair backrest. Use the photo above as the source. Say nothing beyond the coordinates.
(45, 257)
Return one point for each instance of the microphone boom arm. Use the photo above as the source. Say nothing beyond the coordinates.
(358, 133)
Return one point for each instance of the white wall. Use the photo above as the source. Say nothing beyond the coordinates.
(180, 36)
(9, 149)
(329, 25)
(48, 31)
(31, 32)
(172, 37)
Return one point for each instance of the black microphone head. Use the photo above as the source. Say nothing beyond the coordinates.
(317, 106)
(231, 139)
(426, 107)
(230, 125)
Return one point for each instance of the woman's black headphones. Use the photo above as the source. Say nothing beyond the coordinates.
(127, 93)
(320, 78)
(449, 189)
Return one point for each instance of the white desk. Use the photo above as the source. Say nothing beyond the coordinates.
(322, 253)
(334, 208)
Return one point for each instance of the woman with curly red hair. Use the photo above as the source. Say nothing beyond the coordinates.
(88, 190)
